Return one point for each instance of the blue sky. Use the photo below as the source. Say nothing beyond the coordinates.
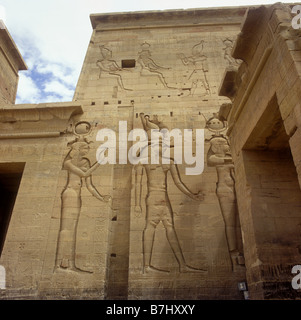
(53, 37)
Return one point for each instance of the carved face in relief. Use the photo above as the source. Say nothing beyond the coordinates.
(105, 52)
(228, 43)
(219, 152)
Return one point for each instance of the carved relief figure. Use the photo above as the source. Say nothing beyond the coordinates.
(219, 156)
(109, 68)
(79, 172)
(148, 66)
(199, 63)
(158, 206)
(228, 53)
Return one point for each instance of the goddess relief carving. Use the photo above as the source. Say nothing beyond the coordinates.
(79, 172)
(219, 156)
(158, 206)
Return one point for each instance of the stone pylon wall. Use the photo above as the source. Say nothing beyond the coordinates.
(169, 65)
(120, 230)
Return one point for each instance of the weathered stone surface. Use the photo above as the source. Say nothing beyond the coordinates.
(264, 123)
(81, 230)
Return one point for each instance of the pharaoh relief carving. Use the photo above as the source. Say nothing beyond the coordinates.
(79, 171)
(198, 62)
(158, 206)
(219, 156)
(228, 43)
(109, 67)
(149, 67)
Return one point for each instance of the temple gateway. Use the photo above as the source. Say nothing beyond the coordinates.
(75, 227)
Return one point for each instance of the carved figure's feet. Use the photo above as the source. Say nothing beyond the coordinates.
(186, 269)
(71, 270)
(149, 269)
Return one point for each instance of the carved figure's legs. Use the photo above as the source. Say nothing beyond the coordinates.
(119, 80)
(174, 242)
(164, 214)
(148, 242)
(230, 215)
(70, 210)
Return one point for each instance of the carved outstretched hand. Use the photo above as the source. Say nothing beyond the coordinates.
(198, 196)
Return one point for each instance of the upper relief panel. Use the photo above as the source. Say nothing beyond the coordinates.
(174, 54)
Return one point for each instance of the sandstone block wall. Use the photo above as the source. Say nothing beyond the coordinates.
(263, 130)
(119, 231)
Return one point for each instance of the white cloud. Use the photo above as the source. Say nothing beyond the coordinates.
(59, 89)
(58, 71)
(2, 14)
(30, 93)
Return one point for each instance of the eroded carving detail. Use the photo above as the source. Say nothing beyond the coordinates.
(158, 206)
(199, 63)
(79, 172)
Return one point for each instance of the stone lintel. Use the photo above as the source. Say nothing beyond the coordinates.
(36, 120)
(166, 18)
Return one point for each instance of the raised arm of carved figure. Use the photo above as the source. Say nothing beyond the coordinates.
(181, 186)
(138, 188)
(94, 191)
(143, 120)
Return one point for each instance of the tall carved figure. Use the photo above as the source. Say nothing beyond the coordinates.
(79, 172)
(220, 157)
(158, 207)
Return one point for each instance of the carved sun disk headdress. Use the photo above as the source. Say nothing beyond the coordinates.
(81, 129)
